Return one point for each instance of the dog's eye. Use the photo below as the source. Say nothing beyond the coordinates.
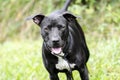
(46, 29)
(61, 27)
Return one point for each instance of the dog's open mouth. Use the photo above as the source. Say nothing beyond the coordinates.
(56, 50)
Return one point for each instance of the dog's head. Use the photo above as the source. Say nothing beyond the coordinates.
(54, 30)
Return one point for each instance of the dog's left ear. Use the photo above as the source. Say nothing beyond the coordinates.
(69, 16)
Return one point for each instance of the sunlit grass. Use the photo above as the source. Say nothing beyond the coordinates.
(105, 60)
(22, 61)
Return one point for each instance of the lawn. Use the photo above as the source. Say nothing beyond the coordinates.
(21, 60)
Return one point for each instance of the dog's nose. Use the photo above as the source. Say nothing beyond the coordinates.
(55, 41)
(55, 38)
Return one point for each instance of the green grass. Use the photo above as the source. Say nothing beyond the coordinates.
(21, 60)
(104, 62)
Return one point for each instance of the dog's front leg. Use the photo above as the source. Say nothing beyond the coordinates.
(54, 76)
(69, 75)
(83, 72)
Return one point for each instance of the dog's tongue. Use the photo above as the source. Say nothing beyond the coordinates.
(56, 50)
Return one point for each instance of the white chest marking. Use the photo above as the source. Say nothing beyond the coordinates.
(63, 64)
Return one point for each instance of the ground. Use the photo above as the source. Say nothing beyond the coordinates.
(22, 60)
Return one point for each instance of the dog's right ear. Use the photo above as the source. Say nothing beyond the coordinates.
(38, 19)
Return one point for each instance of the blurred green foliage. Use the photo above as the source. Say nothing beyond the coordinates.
(99, 17)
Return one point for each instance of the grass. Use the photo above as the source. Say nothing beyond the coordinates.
(105, 60)
(21, 60)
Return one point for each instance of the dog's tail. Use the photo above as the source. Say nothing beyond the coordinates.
(67, 3)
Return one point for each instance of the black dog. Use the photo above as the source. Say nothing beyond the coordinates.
(64, 47)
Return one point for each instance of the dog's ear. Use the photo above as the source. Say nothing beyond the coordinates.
(38, 19)
(69, 16)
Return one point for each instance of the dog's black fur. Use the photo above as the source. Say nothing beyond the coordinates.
(63, 39)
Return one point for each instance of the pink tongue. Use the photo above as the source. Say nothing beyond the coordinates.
(56, 50)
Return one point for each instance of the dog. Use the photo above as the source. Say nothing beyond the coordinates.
(64, 46)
